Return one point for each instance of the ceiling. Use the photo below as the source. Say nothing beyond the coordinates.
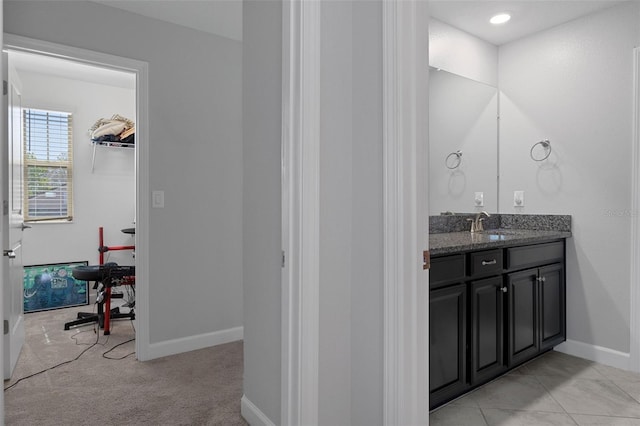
(220, 17)
(29, 62)
(527, 17)
(224, 18)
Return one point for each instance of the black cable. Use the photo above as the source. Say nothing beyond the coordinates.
(55, 366)
(104, 355)
(97, 342)
(74, 338)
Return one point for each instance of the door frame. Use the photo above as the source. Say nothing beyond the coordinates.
(300, 212)
(406, 227)
(634, 312)
(140, 69)
(405, 144)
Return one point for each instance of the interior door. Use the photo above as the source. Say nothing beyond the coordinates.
(12, 224)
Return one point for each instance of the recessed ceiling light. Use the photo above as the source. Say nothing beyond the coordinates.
(500, 18)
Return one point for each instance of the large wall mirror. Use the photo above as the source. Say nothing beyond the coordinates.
(463, 144)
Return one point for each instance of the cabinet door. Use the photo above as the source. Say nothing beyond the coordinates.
(487, 329)
(447, 270)
(552, 306)
(447, 340)
(522, 292)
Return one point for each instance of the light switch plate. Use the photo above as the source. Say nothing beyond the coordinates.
(518, 198)
(157, 199)
(479, 199)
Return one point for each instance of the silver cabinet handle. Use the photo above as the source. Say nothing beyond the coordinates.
(504, 289)
(541, 279)
(489, 262)
(10, 254)
(23, 226)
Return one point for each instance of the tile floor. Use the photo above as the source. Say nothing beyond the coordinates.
(554, 389)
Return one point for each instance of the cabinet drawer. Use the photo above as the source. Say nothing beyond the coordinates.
(539, 254)
(485, 263)
(446, 269)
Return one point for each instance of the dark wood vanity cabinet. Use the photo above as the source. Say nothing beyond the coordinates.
(448, 328)
(536, 307)
(487, 329)
(448, 342)
(490, 311)
(537, 311)
(523, 316)
(553, 307)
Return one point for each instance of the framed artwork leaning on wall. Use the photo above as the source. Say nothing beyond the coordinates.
(52, 286)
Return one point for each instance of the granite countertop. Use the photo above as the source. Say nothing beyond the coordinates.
(459, 242)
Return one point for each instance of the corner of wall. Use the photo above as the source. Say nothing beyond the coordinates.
(192, 343)
(595, 353)
(252, 414)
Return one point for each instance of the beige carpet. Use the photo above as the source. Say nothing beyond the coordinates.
(201, 387)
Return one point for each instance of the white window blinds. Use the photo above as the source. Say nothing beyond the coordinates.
(48, 160)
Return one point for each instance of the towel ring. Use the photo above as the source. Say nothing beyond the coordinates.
(546, 144)
(453, 163)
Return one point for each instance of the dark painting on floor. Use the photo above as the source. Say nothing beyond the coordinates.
(52, 286)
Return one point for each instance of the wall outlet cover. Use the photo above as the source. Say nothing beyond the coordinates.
(479, 199)
(518, 198)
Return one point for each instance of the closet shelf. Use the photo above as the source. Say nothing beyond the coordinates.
(113, 144)
(107, 144)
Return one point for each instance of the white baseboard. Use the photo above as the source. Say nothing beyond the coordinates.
(595, 353)
(192, 343)
(252, 414)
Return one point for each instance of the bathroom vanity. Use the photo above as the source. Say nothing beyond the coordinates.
(497, 299)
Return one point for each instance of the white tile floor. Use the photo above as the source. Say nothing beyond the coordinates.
(554, 389)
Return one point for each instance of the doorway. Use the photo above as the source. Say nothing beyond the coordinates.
(73, 182)
(112, 165)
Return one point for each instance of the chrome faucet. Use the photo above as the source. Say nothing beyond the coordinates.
(476, 224)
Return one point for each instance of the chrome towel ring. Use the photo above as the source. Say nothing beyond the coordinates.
(453, 160)
(546, 145)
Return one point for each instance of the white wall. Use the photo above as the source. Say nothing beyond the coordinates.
(195, 156)
(367, 322)
(262, 121)
(573, 85)
(351, 242)
(104, 197)
(461, 53)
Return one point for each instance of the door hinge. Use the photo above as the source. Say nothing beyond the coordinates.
(6, 326)
(283, 258)
(5, 87)
(426, 260)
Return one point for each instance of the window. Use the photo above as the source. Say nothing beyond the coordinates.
(48, 160)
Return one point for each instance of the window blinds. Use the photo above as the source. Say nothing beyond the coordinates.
(48, 160)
